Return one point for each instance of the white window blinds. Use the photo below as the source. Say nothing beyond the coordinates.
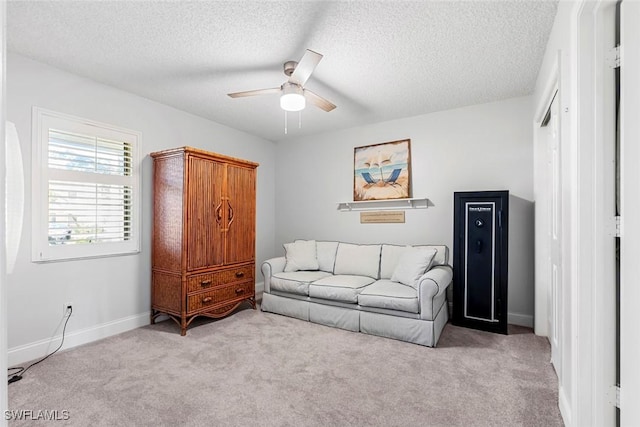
(90, 184)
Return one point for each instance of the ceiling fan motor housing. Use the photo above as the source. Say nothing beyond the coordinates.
(289, 67)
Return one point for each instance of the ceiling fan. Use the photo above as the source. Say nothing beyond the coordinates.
(293, 95)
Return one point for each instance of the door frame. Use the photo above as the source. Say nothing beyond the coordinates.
(593, 304)
(3, 279)
(630, 240)
(586, 394)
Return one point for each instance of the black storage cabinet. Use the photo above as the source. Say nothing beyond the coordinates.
(480, 262)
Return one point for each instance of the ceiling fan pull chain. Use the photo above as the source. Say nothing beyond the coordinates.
(285, 122)
(300, 119)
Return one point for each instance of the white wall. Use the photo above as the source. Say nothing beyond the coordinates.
(109, 294)
(482, 147)
(3, 278)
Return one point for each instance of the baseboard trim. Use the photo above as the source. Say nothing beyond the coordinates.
(565, 408)
(259, 289)
(525, 320)
(39, 349)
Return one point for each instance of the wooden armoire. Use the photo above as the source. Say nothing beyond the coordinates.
(203, 251)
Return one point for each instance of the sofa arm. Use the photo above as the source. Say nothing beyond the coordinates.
(431, 290)
(271, 267)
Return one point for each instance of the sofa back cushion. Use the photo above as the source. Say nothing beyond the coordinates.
(360, 260)
(326, 255)
(442, 254)
(391, 255)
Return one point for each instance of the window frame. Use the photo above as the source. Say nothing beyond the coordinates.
(42, 251)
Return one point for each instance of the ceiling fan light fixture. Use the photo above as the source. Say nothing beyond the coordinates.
(292, 98)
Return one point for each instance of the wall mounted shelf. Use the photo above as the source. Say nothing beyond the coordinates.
(380, 205)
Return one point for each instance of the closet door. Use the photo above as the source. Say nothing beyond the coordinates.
(205, 213)
(240, 214)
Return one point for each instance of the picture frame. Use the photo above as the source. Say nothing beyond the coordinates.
(382, 171)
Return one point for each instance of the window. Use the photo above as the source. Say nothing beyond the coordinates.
(86, 186)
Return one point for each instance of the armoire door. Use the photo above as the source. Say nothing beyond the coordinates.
(205, 213)
(480, 260)
(240, 212)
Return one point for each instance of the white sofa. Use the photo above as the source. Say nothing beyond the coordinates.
(387, 290)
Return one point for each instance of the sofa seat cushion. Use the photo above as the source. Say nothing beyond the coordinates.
(342, 287)
(390, 295)
(296, 282)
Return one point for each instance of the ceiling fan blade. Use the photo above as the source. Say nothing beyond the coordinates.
(254, 92)
(318, 101)
(305, 67)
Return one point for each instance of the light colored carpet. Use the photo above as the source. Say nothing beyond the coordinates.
(255, 368)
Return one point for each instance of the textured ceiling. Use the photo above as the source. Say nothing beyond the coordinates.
(382, 59)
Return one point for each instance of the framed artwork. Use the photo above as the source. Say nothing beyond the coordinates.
(382, 171)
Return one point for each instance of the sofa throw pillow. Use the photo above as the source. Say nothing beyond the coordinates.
(412, 265)
(301, 255)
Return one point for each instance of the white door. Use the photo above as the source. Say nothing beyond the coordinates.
(554, 299)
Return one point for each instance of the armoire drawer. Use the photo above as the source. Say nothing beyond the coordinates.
(219, 295)
(210, 280)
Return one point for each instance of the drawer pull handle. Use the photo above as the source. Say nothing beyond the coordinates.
(205, 283)
(240, 274)
(239, 291)
(207, 300)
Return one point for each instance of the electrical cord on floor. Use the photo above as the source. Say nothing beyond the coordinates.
(17, 376)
